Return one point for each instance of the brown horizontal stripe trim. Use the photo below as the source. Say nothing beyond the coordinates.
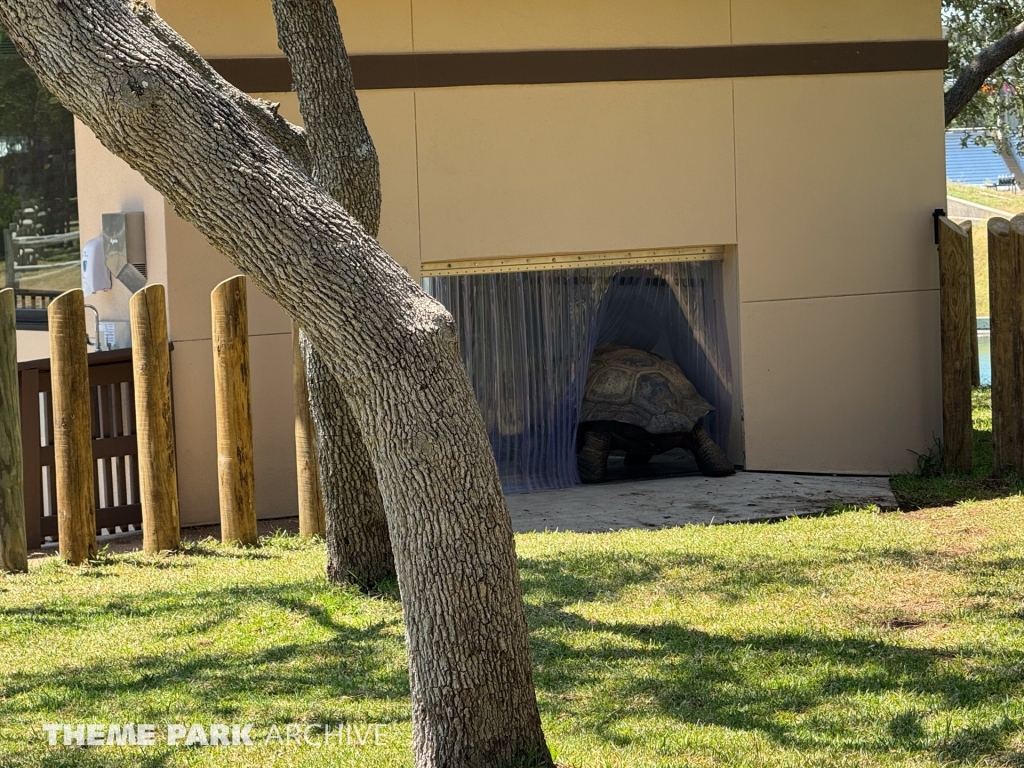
(445, 70)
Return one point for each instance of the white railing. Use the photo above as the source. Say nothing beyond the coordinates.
(29, 240)
(38, 267)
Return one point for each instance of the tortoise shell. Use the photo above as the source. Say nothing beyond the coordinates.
(636, 387)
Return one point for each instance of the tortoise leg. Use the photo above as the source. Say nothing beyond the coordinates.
(638, 459)
(711, 460)
(592, 459)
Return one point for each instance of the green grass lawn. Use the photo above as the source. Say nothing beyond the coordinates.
(993, 198)
(854, 639)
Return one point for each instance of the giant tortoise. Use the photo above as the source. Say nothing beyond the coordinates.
(643, 404)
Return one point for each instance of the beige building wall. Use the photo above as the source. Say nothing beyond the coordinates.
(522, 170)
(32, 345)
(821, 186)
(806, 21)
(246, 28)
(838, 270)
(194, 269)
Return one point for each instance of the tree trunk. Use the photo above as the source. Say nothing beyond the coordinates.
(393, 349)
(358, 543)
(345, 161)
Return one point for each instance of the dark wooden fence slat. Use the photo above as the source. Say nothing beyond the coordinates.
(51, 488)
(109, 447)
(123, 516)
(133, 462)
(30, 444)
(94, 408)
(47, 401)
(98, 488)
(120, 480)
(108, 482)
(113, 429)
(48, 526)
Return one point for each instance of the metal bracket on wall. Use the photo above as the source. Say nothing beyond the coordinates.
(937, 214)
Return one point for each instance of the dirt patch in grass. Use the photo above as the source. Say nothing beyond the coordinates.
(909, 598)
(958, 531)
(903, 623)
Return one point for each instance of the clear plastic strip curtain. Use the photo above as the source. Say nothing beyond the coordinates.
(527, 339)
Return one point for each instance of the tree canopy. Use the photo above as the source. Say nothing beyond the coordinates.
(37, 143)
(973, 27)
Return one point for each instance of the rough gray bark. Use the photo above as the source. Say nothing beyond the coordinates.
(974, 75)
(344, 160)
(393, 349)
(289, 138)
(358, 542)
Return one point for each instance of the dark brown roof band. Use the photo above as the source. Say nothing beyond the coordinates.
(443, 70)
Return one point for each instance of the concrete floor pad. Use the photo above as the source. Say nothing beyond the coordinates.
(692, 500)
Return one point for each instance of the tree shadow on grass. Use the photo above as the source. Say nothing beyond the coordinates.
(88, 758)
(804, 691)
(353, 661)
(606, 576)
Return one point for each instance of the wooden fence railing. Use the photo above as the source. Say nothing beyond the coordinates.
(114, 445)
(91, 464)
(30, 306)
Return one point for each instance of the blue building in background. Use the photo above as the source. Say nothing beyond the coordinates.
(980, 166)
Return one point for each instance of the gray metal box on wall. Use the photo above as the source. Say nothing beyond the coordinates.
(124, 248)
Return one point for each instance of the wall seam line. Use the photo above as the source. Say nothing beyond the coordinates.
(412, 24)
(842, 296)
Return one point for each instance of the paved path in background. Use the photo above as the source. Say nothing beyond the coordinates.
(692, 500)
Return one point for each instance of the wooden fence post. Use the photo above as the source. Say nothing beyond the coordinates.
(968, 228)
(158, 466)
(234, 412)
(1006, 291)
(72, 428)
(957, 321)
(13, 544)
(312, 520)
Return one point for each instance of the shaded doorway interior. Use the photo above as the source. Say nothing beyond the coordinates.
(527, 339)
